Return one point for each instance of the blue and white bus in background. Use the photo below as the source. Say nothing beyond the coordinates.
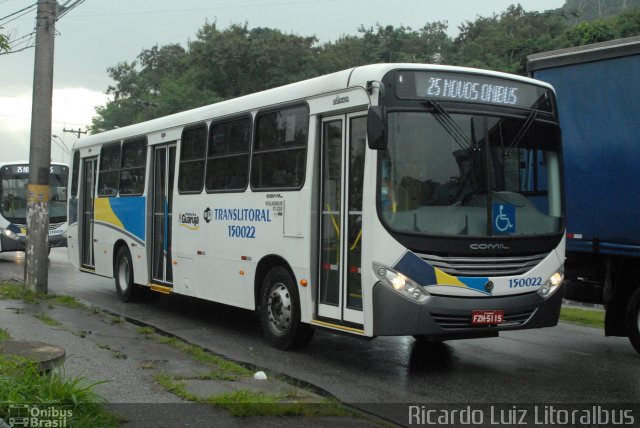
(14, 177)
(389, 199)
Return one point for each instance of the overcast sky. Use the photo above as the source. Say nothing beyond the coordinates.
(101, 33)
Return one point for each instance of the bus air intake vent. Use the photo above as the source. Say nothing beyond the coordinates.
(484, 266)
(453, 322)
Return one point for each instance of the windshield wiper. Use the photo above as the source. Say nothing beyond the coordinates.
(450, 125)
(522, 132)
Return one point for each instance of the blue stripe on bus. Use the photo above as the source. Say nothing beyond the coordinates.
(416, 268)
(131, 210)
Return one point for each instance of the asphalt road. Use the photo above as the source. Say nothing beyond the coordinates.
(563, 364)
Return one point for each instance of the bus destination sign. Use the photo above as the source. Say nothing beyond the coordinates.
(471, 88)
(18, 170)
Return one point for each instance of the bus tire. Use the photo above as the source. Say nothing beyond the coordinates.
(633, 320)
(123, 272)
(280, 311)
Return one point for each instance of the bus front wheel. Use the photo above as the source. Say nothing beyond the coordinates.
(633, 320)
(124, 276)
(280, 311)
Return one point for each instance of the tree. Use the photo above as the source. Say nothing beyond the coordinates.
(502, 42)
(4, 43)
(220, 64)
(626, 24)
(588, 32)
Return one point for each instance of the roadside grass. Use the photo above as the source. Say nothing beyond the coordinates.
(585, 317)
(21, 383)
(244, 403)
(146, 330)
(88, 410)
(47, 319)
(224, 368)
(4, 334)
(18, 291)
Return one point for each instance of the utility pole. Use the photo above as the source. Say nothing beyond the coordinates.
(73, 131)
(37, 249)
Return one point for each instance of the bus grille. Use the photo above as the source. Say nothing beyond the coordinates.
(453, 322)
(484, 266)
(52, 226)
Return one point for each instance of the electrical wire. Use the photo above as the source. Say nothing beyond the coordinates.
(28, 9)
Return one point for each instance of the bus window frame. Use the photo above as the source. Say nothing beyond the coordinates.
(100, 170)
(266, 111)
(142, 166)
(75, 174)
(187, 128)
(249, 152)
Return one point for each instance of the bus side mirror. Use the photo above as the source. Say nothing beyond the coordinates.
(377, 127)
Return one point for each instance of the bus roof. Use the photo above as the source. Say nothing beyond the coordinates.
(317, 86)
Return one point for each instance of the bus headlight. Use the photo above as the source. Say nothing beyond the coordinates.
(11, 231)
(401, 284)
(552, 284)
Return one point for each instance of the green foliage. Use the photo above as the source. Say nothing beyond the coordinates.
(589, 32)
(626, 24)
(4, 43)
(586, 317)
(502, 42)
(219, 64)
(4, 334)
(21, 383)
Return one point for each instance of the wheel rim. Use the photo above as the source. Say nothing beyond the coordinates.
(279, 308)
(123, 273)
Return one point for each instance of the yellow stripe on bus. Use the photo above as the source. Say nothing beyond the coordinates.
(161, 288)
(338, 327)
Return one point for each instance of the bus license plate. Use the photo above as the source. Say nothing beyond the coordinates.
(487, 317)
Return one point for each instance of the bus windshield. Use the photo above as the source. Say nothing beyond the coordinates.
(13, 192)
(478, 175)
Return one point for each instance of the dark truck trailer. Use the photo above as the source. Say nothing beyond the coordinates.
(598, 93)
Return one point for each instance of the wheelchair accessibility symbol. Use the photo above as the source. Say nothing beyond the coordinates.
(504, 219)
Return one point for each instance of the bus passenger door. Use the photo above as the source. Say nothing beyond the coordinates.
(164, 159)
(342, 172)
(87, 189)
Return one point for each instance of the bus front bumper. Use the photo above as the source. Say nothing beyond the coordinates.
(19, 243)
(444, 318)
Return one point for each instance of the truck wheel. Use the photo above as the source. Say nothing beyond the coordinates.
(280, 311)
(633, 320)
(123, 271)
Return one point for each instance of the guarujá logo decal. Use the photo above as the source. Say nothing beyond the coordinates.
(189, 220)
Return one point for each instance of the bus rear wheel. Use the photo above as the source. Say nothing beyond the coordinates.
(280, 311)
(633, 320)
(123, 272)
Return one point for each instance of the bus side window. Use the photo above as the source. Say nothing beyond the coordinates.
(228, 155)
(75, 173)
(280, 147)
(134, 161)
(109, 170)
(192, 159)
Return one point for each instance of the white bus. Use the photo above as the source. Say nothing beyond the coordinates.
(14, 177)
(389, 199)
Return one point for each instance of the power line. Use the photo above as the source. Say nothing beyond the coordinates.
(31, 8)
(64, 9)
(239, 6)
(19, 46)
